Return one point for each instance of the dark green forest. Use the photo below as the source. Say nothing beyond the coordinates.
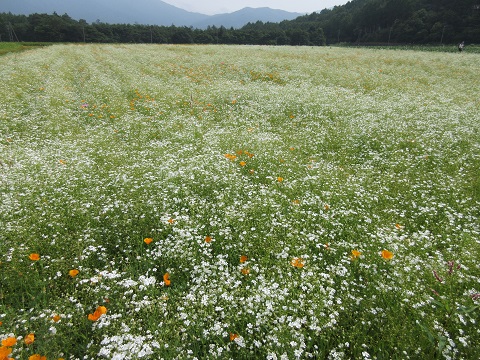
(357, 22)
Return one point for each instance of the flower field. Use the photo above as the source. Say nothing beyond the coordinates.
(239, 202)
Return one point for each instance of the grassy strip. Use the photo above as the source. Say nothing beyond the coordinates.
(9, 47)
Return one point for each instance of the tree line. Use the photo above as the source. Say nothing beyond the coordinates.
(62, 28)
(358, 21)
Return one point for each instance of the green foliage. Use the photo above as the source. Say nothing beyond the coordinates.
(362, 21)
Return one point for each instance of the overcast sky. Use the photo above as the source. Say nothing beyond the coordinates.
(211, 7)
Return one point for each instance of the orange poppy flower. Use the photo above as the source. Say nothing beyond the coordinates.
(230, 157)
(297, 262)
(166, 279)
(245, 271)
(29, 339)
(387, 255)
(98, 312)
(34, 257)
(171, 221)
(208, 239)
(37, 357)
(4, 352)
(147, 240)
(73, 273)
(243, 258)
(279, 179)
(56, 318)
(233, 336)
(9, 341)
(242, 163)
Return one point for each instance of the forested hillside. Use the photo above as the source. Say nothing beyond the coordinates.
(358, 21)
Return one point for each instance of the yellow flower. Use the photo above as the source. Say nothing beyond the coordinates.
(166, 279)
(355, 254)
(98, 312)
(147, 240)
(297, 262)
(73, 273)
(9, 341)
(29, 339)
(34, 257)
(387, 255)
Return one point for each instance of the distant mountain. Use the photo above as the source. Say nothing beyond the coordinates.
(241, 17)
(147, 12)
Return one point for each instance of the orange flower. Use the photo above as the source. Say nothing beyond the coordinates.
(233, 336)
(34, 257)
(245, 271)
(63, 162)
(4, 352)
(98, 312)
(171, 221)
(398, 226)
(56, 318)
(29, 339)
(166, 279)
(73, 273)
(242, 163)
(230, 157)
(9, 341)
(208, 239)
(37, 357)
(243, 258)
(279, 179)
(326, 207)
(355, 254)
(387, 255)
(297, 262)
(147, 240)
(291, 148)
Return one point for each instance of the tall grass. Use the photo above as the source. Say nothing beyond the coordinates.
(228, 202)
